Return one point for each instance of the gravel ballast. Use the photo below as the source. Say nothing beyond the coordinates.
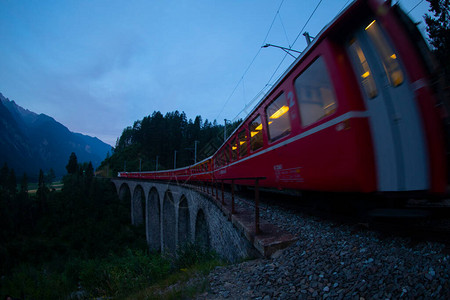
(338, 262)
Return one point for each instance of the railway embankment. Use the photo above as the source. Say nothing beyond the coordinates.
(337, 261)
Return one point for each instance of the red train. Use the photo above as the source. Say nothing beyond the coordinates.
(355, 113)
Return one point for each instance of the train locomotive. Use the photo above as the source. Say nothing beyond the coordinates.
(355, 112)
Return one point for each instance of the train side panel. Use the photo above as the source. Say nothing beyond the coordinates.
(331, 154)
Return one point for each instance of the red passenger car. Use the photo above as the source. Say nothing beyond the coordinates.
(355, 112)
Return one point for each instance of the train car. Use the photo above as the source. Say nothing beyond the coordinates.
(355, 112)
(181, 174)
(202, 171)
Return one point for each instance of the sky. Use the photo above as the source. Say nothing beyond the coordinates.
(98, 66)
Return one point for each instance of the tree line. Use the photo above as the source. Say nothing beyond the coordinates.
(150, 144)
(84, 219)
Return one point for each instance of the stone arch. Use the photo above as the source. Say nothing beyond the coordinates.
(184, 232)
(138, 206)
(113, 187)
(202, 230)
(169, 242)
(153, 218)
(124, 193)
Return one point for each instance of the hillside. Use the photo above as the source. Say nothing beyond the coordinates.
(30, 141)
(157, 137)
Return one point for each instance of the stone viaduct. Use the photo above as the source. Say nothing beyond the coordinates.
(174, 215)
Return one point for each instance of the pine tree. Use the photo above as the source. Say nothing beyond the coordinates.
(438, 28)
(4, 171)
(42, 192)
(24, 184)
(72, 166)
(12, 182)
(50, 176)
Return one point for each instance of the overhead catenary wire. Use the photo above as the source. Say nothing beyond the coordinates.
(268, 84)
(290, 47)
(306, 24)
(415, 6)
(284, 29)
(251, 63)
(345, 5)
(261, 94)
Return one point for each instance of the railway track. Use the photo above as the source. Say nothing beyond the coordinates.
(418, 220)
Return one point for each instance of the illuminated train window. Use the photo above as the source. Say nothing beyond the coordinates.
(363, 69)
(278, 122)
(234, 149)
(256, 136)
(315, 93)
(242, 137)
(388, 56)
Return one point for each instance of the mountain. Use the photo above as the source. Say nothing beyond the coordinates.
(30, 141)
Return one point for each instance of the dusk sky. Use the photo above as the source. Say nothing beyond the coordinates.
(98, 66)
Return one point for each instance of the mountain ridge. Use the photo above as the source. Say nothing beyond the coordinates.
(31, 141)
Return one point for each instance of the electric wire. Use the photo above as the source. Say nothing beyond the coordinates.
(251, 63)
(273, 21)
(290, 47)
(414, 7)
(345, 5)
(257, 54)
(284, 29)
(304, 26)
(284, 57)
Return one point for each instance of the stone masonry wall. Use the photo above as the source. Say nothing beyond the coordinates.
(170, 218)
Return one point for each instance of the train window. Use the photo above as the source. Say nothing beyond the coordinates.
(220, 159)
(363, 69)
(234, 149)
(242, 136)
(256, 136)
(315, 93)
(388, 56)
(227, 154)
(278, 122)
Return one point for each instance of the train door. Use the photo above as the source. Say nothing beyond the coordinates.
(396, 125)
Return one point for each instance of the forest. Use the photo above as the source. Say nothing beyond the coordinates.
(156, 138)
(78, 243)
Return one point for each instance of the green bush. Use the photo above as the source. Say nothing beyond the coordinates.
(118, 276)
(33, 283)
(191, 254)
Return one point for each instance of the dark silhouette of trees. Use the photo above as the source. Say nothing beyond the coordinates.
(12, 182)
(24, 184)
(50, 176)
(42, 193)
(72, 166)
(157, 137)
(4, 172)
(83, 220)
(438, 28)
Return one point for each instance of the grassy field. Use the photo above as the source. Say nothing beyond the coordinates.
(32, 187)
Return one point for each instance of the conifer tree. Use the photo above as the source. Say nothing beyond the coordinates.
(72, 166)
(4, 171)
(24, 184)
(42, 192)
(438, 27)
(12, 182)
